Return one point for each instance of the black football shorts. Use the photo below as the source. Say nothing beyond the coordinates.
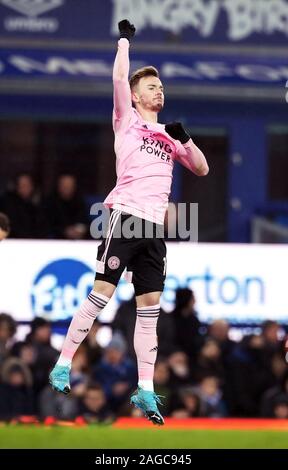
(135, 244)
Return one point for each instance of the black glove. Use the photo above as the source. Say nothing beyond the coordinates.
(126, 29)
(177, 131)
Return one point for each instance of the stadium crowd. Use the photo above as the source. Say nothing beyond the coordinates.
(200, 370)
(62, 214)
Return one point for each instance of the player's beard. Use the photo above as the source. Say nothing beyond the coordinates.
(152, 105)
(157, 107)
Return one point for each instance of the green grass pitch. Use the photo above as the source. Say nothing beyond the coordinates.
(107, 437)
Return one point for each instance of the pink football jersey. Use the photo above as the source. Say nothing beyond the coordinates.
(145, 153)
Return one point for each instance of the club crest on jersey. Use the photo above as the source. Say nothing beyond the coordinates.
(113, 262)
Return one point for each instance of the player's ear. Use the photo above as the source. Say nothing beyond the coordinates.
(135, 96)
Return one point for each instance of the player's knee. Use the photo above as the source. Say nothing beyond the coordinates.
(104, 288)
(147, 300)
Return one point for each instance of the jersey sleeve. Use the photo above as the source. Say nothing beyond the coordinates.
(121, 88)
(190, 156)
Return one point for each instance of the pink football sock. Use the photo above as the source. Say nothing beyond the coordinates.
(145, 341)
(80, 325)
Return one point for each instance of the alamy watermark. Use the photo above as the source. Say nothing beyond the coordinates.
(180, 223)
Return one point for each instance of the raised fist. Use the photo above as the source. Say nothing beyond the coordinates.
(126, 29)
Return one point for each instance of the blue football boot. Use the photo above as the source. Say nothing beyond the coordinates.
(59, 379)
(147, 402)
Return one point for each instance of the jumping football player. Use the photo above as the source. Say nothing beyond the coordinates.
(145, 155)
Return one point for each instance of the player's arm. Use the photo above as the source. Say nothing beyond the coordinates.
(121, 88)
(187, 152)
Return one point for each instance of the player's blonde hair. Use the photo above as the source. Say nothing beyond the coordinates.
(143, 72)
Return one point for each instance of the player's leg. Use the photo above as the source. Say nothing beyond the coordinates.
(146, 346)
(79, 328)
(110, 264)
(145, 337)
(149, 270)
(83, 319)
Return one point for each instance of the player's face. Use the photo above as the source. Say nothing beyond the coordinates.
(3, 234)
(149, 93)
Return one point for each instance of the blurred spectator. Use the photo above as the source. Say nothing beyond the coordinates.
(7, 331)
(270, 334)
(4, 226)
(124, 322)
(24, 210)
(219, 330)
(186, 324)
(66, 210)
(26, 352)
(209, 360)
(45, 354)
(162, 384)
(278, 367)
(250, 376)
(280, 410)
(271, 396)
(188, 404)
(79, 374)
(211, 395)
(166, 334)
(179, 369)
(51, 403)
(16, 393)
(94, 407)
(116, 372)
(93, 348)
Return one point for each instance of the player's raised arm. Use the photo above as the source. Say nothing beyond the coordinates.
(188, 153)
(122, 92)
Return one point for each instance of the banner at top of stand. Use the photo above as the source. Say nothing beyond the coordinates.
(175, 69)
(182, 21)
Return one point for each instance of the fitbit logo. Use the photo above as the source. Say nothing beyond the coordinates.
(60, 287)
